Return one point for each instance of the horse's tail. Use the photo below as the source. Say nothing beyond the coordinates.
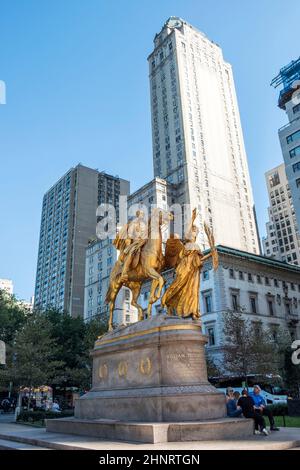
(108, 294)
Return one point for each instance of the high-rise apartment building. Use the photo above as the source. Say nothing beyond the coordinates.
(282, 241)
(197, 136)
(289, 135)
(68, 222)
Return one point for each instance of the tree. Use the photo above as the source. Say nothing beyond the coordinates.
(33, 360)
(76, 339)
(212, 368)
(248, 347)
(47, 347)
(12, 316)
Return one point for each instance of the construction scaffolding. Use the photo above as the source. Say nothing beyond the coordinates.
(289, 77)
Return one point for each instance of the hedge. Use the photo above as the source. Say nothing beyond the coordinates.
(280, 409)
(32, 416)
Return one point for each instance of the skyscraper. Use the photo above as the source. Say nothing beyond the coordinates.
(282, 241)
(68, 222)
(197, 136)
(289, 135)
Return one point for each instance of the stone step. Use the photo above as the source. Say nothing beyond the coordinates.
(41, 442)
(152, 433)
(14, 445)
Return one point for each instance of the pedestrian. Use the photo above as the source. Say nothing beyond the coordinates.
(232, 410)
(261, 407)
(246, 403)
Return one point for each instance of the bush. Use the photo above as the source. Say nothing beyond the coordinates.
(33, 416)
(280, 409)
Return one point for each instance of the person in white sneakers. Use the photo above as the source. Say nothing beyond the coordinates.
(248, 407)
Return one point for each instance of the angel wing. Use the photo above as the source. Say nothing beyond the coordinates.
(173, 247)
(211, 241)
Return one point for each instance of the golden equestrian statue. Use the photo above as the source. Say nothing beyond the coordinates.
(140, 259)
(182, 296)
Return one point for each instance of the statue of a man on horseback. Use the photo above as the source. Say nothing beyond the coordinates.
(136, 234)
(140, 259)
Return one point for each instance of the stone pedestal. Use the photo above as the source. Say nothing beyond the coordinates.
(151, 372)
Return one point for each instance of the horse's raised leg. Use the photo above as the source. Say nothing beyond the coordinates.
(111, 311)
(136, 289)
(112, 301)
(161, 283)
(152, 297)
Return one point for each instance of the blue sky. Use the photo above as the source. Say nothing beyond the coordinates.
(77, 91)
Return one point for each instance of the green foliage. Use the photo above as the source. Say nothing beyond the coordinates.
(46, 347)
(33, 359)
(76, 339)
(290, 421)
(33, 416)
(12, 317)
(212, 368)
(280, 409)
(249, 348)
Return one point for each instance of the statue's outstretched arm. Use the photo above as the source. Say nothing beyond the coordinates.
(190, 226)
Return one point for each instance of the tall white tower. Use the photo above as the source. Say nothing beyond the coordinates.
(197, 135)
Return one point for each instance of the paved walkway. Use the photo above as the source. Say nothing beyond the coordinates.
(12, 435)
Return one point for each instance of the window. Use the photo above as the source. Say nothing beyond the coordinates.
(274, 332)
(296, 167)
(296, 108)
(267, 281)
(276, 283)
(287, 306)
(253, 306)
(298, 182)
(271, 306)
(211, 336)
(293, 137)
(295, 151)
(127, 294)
(250, 278)
(205, 275)
(241, 275)
(258, 279)
(274, 179)
(208, 303)
(234, 298)
(231, 273)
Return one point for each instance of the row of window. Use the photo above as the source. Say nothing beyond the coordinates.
(253, 303)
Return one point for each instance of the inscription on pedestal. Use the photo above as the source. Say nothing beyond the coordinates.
(186, 364)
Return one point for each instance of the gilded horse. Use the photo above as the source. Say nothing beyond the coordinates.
(149, 265)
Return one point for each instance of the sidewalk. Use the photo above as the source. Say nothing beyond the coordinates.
(12, 434)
